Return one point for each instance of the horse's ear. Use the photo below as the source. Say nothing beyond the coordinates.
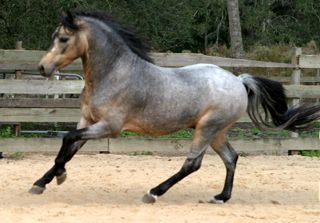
(70, 17)
(69, 14)
(69, 21)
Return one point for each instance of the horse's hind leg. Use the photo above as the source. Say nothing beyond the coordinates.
(229, 157)
(191, 164)
(202, 138)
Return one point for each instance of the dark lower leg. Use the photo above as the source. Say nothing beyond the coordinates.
(229, 157)
(202, 136)
(65, 154)
(71, 144)
(190, 165)
(47, 177)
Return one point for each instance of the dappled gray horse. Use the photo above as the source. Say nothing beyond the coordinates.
(124, 90)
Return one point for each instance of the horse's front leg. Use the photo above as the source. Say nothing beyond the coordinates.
(72, 142)
(58, 169)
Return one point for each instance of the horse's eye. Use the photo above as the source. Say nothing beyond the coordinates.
(63, 39)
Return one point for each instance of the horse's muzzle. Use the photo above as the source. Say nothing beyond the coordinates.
(46, 71)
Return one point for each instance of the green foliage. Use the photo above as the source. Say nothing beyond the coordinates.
(174, 25)
(141, 153)
(6, 132)
(274, 21)
(182, 134)
(247, 132)
(314, 132)
(277, 53)
(310, 153)
(239, 131)
(15, 156)
(129, 134)
(171, 25)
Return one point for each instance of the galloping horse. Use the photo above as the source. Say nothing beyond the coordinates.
(124, 90)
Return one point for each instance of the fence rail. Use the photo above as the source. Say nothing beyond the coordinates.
(28, 60)
(183, 59)
(158, 146)
(51, 87)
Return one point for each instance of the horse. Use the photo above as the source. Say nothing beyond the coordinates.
(125, 90)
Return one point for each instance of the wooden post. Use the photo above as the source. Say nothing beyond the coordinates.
(317, 100)
(19, 47)
(18, 75)
(317, 78)
(295, 79)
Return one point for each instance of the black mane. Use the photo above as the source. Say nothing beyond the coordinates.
(127, 34)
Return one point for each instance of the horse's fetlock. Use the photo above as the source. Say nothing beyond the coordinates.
(222, 197)
(60, 171)
(196, 166)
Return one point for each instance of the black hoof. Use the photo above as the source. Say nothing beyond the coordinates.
(60, 179)
(36, 189)
(148, 198)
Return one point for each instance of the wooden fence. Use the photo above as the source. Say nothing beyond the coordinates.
(27, 100)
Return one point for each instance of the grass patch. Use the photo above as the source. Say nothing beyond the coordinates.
(310, 153)
(6, 131)
(141, 153)
(255, 133)
(245, 131)
(182, 134)
(15, 156)
(249, 131)
(243, 154)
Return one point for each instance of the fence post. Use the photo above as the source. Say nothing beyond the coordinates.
(18, 75)
(296, 79)
(317, 101)
(317, 83)
(19, 47)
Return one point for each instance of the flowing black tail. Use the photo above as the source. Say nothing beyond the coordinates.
(270, 96)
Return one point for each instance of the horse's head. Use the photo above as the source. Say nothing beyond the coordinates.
(69, 42)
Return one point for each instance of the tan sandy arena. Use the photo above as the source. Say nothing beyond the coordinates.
(108, 188)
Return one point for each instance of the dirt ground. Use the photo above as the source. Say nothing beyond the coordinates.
(108, 188)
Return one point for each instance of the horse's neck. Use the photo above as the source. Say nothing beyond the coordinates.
(103, 70)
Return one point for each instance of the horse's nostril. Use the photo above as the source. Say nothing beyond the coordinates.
(41, 69)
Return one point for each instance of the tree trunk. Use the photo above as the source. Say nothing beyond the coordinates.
(235, 28)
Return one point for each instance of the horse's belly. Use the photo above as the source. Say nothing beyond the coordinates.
(158, 125)
(147, 130)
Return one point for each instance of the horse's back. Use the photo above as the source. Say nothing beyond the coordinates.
(218, 81)
(209, 72)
